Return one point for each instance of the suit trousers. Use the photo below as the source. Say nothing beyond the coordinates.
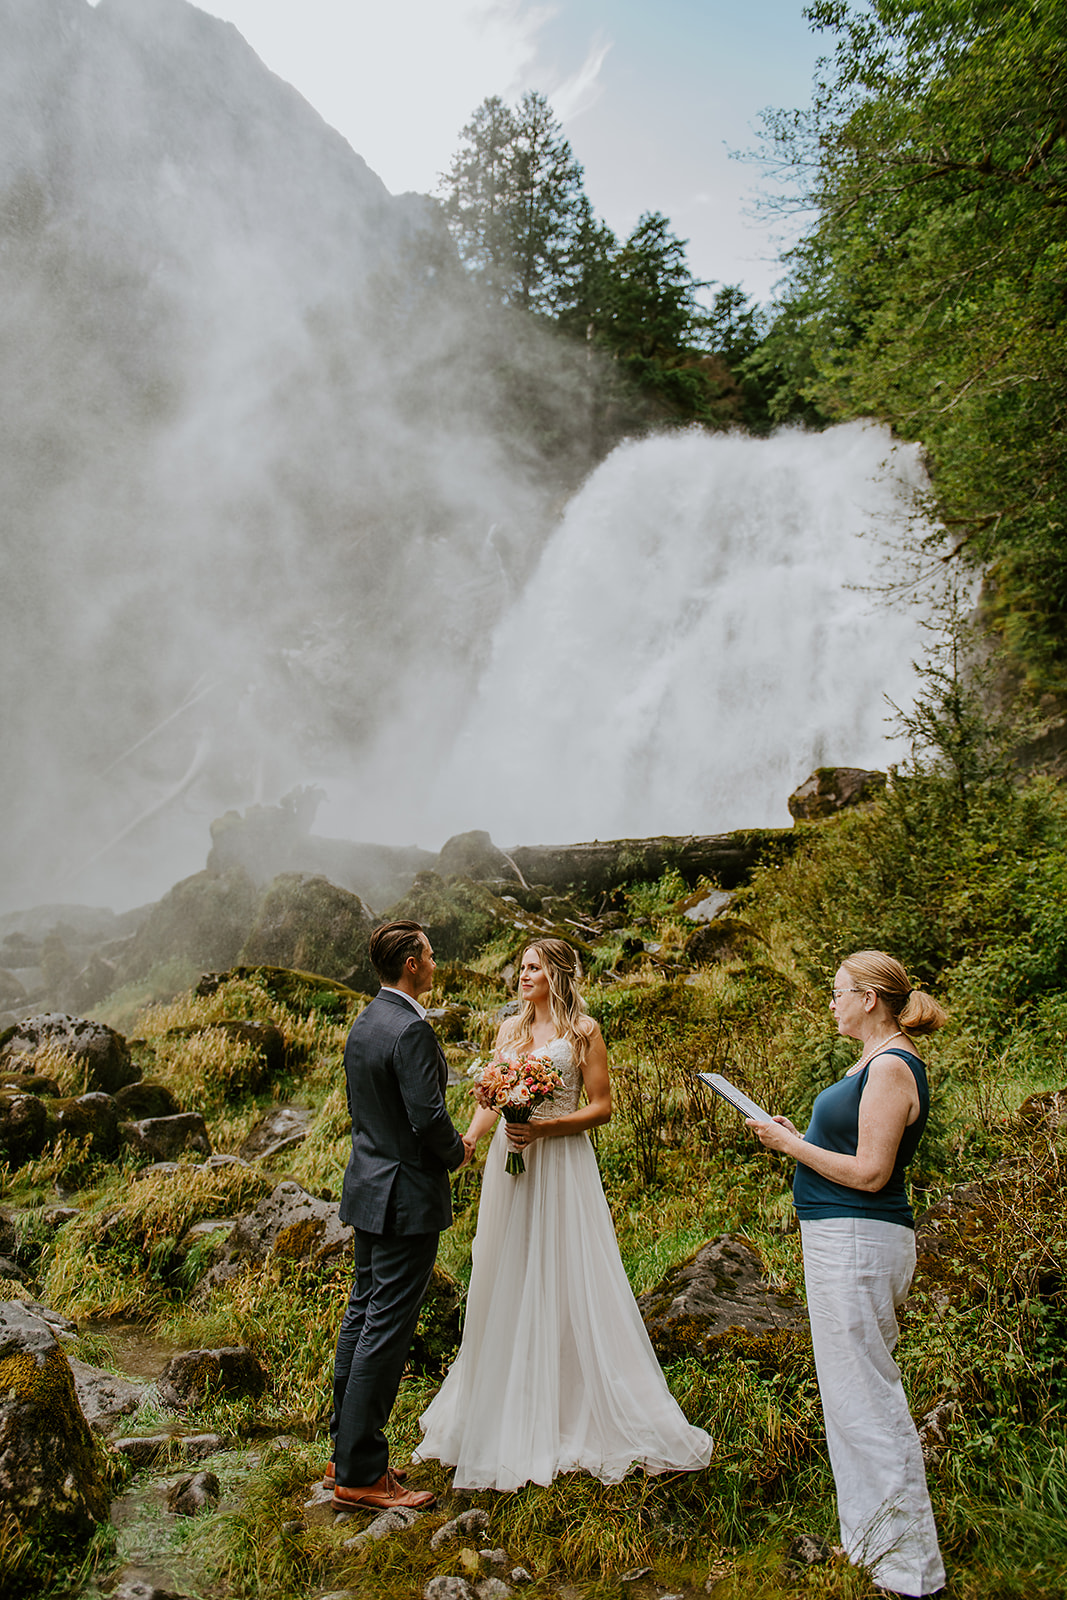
(392, 1273)
(857, 1271)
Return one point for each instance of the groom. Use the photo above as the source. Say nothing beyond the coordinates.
(396, 1197)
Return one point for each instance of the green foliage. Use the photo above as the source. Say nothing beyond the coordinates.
(931, 289)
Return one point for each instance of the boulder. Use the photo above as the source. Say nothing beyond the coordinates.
(306, 993)
(721, 940)
(832, 789)
(717, 1291)
(459, 915)
(308, 922)
(145, 1099)
(197, 1375)
(266, 1043)
(103, 1397)
(91, 1117)
(437, 1335)
(282, 1127)
(204, 919)
(89, 986)
(29, 1083)
(101, 1056)
(23, 1128)
(188, 1496)
(136, 1584)
(51, 1471)
(163, 1138)
(289, 1223)
(474, 855)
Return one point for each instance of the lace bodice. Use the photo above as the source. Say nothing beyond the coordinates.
(565, 1100)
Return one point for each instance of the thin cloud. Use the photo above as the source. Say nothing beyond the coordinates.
(584, 87)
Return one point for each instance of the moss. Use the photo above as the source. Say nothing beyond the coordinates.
(299, 1240)
(50, 1465)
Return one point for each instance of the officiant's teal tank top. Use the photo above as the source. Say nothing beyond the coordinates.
(834, 1126)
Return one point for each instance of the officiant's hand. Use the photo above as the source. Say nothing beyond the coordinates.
(774, 1135)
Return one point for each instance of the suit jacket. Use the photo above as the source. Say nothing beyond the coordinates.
(403, 1142)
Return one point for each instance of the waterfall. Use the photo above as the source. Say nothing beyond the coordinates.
(699, 634)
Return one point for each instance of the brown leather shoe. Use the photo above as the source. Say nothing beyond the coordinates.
(329, 1475)
(385, 1495)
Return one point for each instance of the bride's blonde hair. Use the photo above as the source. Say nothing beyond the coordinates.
(562, 970)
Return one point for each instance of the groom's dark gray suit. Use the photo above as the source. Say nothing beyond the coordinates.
(396, 1196)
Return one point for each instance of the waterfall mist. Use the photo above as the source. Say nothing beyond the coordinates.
(286, 504)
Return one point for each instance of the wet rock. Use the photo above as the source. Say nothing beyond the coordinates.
(103, 1397)
(833, 789)
(189, 1496)
(51, 1476)
(204, 918)
(138, 1101)
(195, 1375)
(396, 1520)
(719, 1289)
(306, 922)
(9, 1270)
(282, 1126)
(143, 1449)
(519, 1576)
(473, 1521)
(29, 1083)
(162, 1138)
(142, 1588)
(90, 1117)
(495, 1558)
(1047, 1111)
(806, 1550)
(23, 1128)
(61, 1326)
(474, 855)
(724, 939)
(492, 1589)
(101, 1056)
(89, 986)
(289, 1223)
(704, 905)
(448, 1588)
(458, 914)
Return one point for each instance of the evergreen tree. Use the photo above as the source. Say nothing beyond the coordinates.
(514, 200)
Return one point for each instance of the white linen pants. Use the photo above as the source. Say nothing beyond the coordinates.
(857, 1271)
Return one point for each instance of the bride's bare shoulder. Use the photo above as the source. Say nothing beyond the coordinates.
(588, 1026)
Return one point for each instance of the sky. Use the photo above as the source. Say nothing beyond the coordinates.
(652, 94)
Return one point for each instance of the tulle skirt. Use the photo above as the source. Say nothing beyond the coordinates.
(555, 1372)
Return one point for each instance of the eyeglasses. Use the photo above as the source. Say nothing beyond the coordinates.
(855, 989)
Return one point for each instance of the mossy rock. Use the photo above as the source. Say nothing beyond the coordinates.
(307, 922)
(52, 1479)
(205, 919)
(438, 1332)
(459, 915)
(303, 993)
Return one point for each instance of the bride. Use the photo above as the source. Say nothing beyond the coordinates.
(555, 1372)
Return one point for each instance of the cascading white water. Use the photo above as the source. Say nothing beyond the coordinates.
(694, 641)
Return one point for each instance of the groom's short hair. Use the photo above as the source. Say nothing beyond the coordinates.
(390, 947)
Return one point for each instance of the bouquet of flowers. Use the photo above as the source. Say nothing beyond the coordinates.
(514, 1086)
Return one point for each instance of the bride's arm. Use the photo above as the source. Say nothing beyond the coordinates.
(595, 1112)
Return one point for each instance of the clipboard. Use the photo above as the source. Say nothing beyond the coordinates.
(734, 1096)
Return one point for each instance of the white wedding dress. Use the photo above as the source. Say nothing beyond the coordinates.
(555, 1372)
